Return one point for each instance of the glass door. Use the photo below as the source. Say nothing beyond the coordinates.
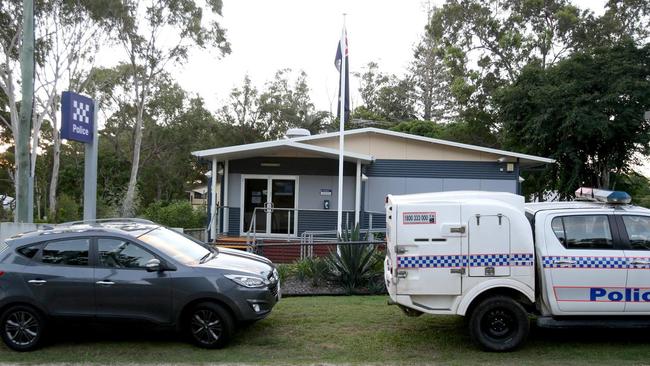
(275, 200)
(283, 201)
(255, 195)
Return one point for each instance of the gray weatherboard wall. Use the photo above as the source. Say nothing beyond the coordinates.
(384, 177)
(421, 176)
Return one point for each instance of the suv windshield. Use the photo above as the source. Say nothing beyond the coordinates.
(176, 245)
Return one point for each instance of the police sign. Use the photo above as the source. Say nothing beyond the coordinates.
(77, 117)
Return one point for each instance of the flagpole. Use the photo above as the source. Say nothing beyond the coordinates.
(339, 205)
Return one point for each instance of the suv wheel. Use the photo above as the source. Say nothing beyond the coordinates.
(499, 324)
(22, 328)
(210, 325)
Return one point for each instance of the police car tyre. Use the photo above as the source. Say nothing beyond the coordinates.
(209, 325)
(22, 328)
(499, 324)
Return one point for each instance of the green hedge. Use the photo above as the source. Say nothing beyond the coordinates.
(175, 214)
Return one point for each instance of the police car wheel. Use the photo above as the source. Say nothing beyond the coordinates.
(499, 324)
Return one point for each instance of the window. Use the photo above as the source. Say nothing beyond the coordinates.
(178, 246)
(66, 252)
(583, 232)
(638, 230)
(29, 251)
(118, 253)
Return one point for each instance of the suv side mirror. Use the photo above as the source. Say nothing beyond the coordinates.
(153, 265)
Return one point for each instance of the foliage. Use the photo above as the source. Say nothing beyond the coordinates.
(586, 112)
(259, 115)
(385, 97)
(285, 271)
(67, 209)
(463, 131)
(175, 214)
(313, 268)
(636, 185)
(352, 265)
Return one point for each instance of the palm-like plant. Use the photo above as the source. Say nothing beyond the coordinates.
(352, 264)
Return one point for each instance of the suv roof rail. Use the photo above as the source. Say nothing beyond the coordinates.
(109, 220)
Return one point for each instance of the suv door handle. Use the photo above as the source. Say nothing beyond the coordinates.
(105, 283)
(639, 262)
(37, 282)
(564, 261)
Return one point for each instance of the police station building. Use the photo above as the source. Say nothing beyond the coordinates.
(288, 188)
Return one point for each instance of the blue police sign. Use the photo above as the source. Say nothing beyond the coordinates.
(77, 117)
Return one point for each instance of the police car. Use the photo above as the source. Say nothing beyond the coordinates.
(495, 259)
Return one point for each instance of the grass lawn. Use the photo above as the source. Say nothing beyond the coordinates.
(341, 330)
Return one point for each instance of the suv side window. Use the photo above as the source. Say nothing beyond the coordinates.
(29, 251)
(638, 231)
(583, 232)
(120, 253)
(71, 252)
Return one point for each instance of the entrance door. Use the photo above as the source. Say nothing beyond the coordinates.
(255, 195)
(275, 200)
(283, 200)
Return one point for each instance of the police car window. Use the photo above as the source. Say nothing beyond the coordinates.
(118, 253)
(66, 252)
(583, 232)
(638, 231)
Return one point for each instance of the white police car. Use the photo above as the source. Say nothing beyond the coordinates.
(584, 263)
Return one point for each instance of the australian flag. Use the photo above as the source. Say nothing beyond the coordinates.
(342, 65)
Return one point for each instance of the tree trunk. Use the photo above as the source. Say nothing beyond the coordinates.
(604, 176)
(54, 181)
(128, 206)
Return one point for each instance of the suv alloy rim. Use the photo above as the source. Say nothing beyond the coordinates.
(22, 328)
(206, 326)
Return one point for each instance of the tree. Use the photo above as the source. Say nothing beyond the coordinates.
(154, 35)
(586, 112)
(267, 114)
(385, 97)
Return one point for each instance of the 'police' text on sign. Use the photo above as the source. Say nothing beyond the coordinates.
(77, 117)
(411, 218)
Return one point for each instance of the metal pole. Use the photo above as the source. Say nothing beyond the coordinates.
(339, 205)
(90, 173)
(22, 140)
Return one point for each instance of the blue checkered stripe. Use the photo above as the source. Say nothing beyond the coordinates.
(473, 260)
(585, 262)
(431, 261)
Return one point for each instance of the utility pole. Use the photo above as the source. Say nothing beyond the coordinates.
(26, 104)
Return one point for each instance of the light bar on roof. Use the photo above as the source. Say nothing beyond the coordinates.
(602, 195)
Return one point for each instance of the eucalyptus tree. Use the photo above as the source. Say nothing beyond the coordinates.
(154, 35)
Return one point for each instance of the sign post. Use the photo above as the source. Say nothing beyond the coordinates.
(78, 123)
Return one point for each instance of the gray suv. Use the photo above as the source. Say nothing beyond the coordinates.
(129, 270)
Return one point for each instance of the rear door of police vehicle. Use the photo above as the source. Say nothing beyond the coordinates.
(428, 249)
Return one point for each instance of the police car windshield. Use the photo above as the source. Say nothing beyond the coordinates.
(176, 245)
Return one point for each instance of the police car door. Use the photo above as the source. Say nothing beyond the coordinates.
(635, 235)
(429, 249)
(584, 265)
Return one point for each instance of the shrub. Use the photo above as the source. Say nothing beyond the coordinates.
(67, 209)
(353, 266)
(175, 214)
(284, 271)
(313, 268)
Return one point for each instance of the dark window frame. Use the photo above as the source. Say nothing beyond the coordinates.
(613, 230)
(36, 257)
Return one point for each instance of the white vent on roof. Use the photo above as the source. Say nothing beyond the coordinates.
(297, 132)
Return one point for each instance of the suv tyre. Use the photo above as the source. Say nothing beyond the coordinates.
(209, 325)
(22, 328)
(499, 324)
